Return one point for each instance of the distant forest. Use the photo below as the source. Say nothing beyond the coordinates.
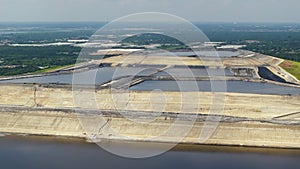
(284, 45)
(30, 59)
(280, 40)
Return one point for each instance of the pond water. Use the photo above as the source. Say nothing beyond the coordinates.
(267, 74)
(205, 86)
(102, 75)
(105, 74)
(95, 76)
(194, 72)
(46, 153)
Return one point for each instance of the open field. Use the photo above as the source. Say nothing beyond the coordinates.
(124, 60)
(152, 60)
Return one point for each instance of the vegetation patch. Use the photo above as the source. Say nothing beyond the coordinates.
(52, 69)
(292, 67)
(21, 60)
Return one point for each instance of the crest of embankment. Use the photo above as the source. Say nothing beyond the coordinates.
(248, 119)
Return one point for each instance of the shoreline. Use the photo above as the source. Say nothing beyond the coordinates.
(182, 147)
(57, 123)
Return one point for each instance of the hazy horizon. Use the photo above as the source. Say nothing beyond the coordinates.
(215, 11)
(104, 22)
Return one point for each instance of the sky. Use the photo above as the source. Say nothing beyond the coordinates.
(192, 10)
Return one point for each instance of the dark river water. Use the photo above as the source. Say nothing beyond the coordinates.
(45, 153)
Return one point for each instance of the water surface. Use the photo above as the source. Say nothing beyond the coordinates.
(94, 76)
(195, 72)
(42, 153)
(205, 86)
